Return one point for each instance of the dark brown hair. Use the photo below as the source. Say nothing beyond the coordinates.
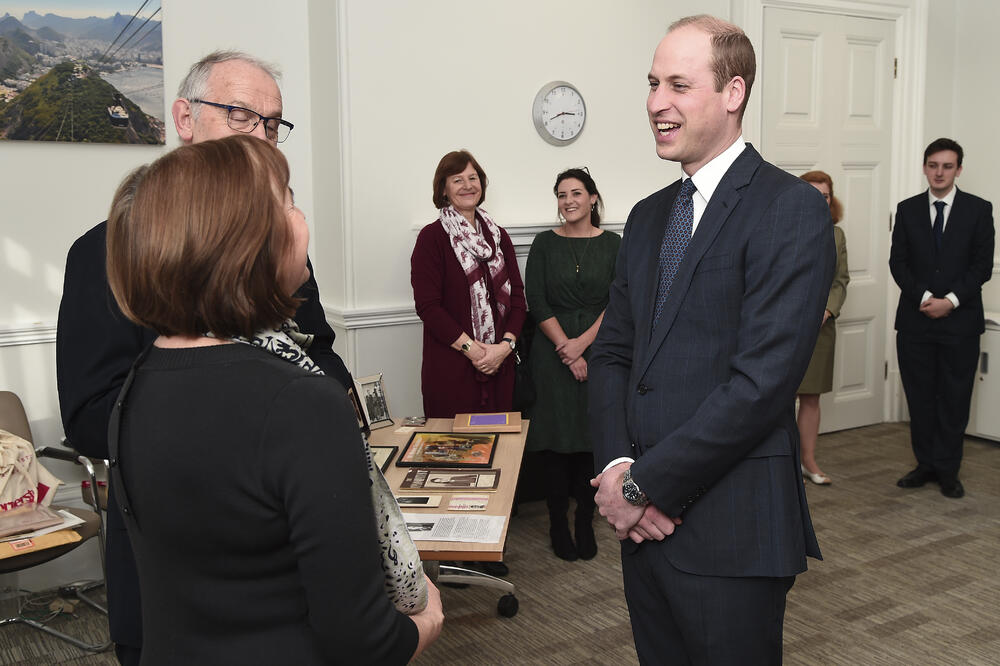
(584, 177)
(836, 208)
(196, 240)
(451, 164)
(732, 52)
(937, 145)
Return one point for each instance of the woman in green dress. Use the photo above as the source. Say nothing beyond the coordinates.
(569, 272)
(819, 374)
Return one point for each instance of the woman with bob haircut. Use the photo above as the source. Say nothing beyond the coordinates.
(468, 292)
(569, 274)
(241, 467)
(819, 375)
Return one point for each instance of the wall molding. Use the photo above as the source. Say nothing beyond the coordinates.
(33, 334)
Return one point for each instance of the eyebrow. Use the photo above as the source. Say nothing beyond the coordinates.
(240, 103)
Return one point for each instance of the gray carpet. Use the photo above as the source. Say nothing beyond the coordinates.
(909, 578)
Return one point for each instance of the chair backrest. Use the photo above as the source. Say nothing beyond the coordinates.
(12, 416)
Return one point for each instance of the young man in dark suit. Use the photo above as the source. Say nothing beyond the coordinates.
(942, 253)
(96, 344)
(716, 304)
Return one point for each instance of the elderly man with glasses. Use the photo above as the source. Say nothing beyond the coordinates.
(224, 93)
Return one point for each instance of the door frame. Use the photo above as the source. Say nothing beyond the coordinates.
(910, 19)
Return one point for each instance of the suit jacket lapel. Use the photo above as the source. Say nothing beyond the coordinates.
(724, 201)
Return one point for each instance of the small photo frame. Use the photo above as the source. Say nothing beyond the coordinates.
(374, 405)
(382, 455)
(451, 480)
(359, 412)
(449, 449)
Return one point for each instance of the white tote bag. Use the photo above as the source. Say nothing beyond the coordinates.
(22, 479)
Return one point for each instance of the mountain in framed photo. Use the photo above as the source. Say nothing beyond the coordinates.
(83, 78)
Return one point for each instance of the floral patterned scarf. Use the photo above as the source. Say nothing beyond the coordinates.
(476, 258)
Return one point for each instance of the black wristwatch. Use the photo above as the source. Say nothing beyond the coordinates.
(511, 342)
(631, 492)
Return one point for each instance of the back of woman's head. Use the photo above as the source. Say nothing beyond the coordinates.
(197, 238)
(817, 176)
(583, 175)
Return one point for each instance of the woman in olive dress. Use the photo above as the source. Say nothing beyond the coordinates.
(569, 272)
(819, 375)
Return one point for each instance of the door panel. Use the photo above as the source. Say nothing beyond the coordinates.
(827, 104)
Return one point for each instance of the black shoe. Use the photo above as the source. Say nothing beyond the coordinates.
(494, 568)
(917, 478)
(952, 488)
(586, 543)
(562, 543)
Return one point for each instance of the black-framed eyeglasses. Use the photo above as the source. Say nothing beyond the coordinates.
(246, 120)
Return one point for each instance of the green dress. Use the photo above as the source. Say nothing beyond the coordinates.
(554, 288)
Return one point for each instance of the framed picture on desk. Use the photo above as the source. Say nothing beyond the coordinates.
(371, 393)
(449, 449)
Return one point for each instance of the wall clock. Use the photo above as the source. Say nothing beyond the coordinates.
(559, 113)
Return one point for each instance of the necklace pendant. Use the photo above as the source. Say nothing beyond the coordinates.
(578, 268)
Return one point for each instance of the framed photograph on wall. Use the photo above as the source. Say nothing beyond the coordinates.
(374, 405)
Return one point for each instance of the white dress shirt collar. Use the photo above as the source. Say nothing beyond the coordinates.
(707, 178)
(948, 199)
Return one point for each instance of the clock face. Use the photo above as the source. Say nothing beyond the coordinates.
(559, 113)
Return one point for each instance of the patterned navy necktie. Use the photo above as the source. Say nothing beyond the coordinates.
(939, 224)
(675, 243)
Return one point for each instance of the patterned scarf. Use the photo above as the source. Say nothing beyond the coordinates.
(474, 254)
(287, 342)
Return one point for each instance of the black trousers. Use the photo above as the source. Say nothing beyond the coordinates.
(680, 618)
(938, 376)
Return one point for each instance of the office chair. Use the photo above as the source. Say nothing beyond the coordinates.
(14, 420)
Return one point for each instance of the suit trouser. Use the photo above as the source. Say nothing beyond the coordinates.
(938, 375)
(680, 618)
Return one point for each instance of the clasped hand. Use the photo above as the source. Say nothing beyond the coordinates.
(492, 356)
(570, 350)
(637, 523)
(936, 308)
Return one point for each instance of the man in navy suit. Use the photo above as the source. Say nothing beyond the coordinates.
(942, 253)
(96, 344)
(715, 307)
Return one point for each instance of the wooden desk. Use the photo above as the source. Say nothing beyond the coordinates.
(507, 459)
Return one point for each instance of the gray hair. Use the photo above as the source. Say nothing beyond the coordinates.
(195, 84)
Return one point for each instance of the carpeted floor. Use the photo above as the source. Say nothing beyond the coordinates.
(909, 577)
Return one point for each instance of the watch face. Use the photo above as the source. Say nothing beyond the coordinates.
(559, 113)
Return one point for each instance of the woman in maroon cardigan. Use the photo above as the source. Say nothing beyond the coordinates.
(468, 292)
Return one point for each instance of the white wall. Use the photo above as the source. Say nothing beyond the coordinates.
(976, 100)
(421, 79)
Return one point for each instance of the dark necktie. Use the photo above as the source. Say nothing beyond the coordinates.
(938, 224)
(675, 243)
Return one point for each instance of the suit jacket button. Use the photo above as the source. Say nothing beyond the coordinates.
(642, 389)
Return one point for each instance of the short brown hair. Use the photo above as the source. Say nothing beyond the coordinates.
(732, 52)
(196, 240)
(451, 164)
(836, 208)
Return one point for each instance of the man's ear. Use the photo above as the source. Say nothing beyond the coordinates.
(183, 120)
(737, 91)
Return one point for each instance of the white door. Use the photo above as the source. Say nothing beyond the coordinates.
(827, 104)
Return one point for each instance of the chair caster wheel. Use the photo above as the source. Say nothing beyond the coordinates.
(507, 606)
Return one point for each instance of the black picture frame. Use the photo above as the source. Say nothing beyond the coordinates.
(383, 455)
(449, 450)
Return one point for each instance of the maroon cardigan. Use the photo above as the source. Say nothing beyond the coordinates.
(449, 382)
